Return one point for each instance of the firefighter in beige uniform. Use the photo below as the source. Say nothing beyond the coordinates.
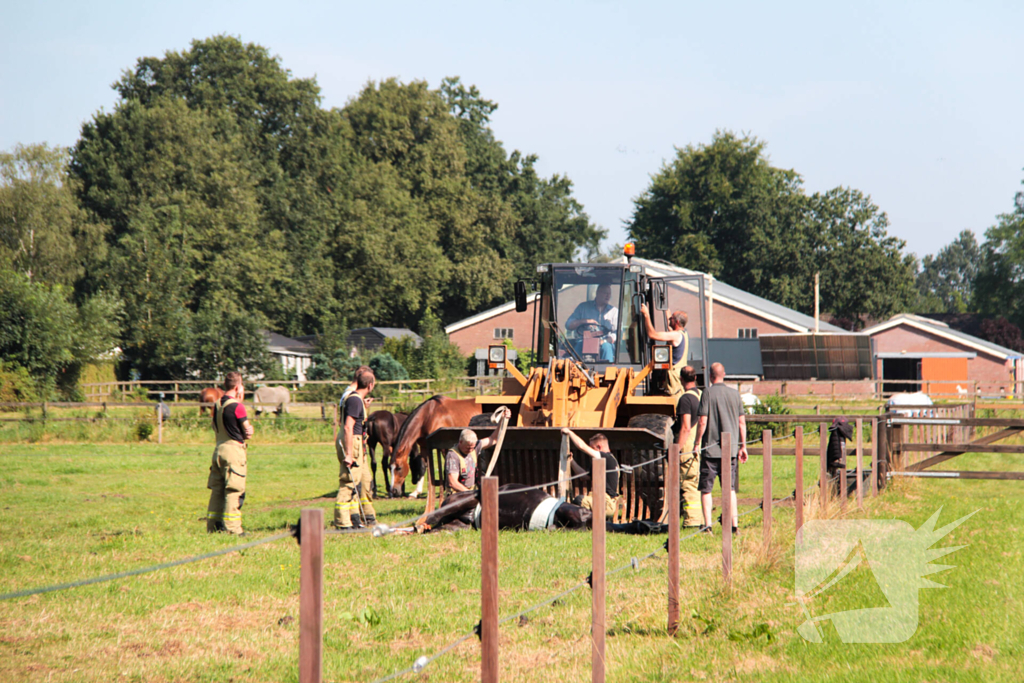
(680, 340)
(228, 468)
(352, 459)
(685, 429)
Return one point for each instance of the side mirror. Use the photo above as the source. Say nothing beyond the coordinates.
(660, 296)
(520, 289)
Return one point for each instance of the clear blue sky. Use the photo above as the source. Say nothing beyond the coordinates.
(916, 103)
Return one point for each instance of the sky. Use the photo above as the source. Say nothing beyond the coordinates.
(917, 104)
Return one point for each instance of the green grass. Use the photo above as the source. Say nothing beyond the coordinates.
(71, 511)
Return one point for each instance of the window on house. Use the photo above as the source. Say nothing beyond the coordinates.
(746, 333)
(503, 333)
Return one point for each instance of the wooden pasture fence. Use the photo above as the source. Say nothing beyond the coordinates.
(921, 442)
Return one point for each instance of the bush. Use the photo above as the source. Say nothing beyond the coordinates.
(769, 405)
(386, 368)
(143, 430)
(16, 385)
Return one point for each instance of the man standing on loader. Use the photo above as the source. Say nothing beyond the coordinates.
(678, 338)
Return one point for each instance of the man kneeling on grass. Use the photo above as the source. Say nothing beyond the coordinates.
(597, 448)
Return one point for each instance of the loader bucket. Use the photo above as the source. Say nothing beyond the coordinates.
(531, 456)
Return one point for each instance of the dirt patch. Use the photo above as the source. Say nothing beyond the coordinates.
(754, 663)
(984, 653)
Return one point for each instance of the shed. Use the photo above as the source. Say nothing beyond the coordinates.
(922, 354)
(372, 338)
(293, 354)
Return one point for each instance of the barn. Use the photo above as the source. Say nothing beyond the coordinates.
(923, 354)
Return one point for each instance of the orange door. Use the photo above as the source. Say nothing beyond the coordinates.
(953, 370)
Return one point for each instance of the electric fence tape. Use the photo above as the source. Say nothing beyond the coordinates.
(142, 570)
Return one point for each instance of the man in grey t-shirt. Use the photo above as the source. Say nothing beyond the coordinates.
(720, 412)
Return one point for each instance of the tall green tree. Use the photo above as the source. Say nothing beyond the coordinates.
(864, 272)
(173, 185)
(44, 332)
(44, 233)
(999, 287)
(946, 281)
(724, 209)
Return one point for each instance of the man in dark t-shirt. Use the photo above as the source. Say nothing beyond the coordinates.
(685, 429)
(352, 459)
(598, 448)
(721, 412)
(228, 468)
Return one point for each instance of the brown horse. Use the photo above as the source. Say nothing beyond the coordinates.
(382, 428)
(209, 395)
(433, 414)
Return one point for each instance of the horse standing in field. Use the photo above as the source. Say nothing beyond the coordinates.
(382, 428)
(209, 395)
(433, 414)
(271, 399)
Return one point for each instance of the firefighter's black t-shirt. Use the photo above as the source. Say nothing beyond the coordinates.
(611, 471)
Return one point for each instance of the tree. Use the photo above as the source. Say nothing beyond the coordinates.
(723, 209)
(44, 234)
(228, 339)
(946, 281)
(183, 224)
(999, 288)
(863, 269)
(43, 331)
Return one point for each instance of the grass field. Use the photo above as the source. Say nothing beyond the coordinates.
(75, 511)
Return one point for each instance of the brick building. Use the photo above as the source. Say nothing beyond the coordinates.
(909, 347)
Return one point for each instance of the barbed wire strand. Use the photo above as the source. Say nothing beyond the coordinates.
(142, 570)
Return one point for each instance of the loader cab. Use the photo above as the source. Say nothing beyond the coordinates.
(590, 311)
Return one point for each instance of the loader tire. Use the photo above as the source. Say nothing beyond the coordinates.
(659, 424)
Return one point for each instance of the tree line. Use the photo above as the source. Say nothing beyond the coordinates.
(219, 198)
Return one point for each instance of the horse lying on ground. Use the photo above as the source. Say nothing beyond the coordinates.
(382, 428)
(528, 510)
(522, 510)
(433, 414)
(209, 395)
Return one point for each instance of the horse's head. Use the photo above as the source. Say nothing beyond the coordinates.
(405, 447)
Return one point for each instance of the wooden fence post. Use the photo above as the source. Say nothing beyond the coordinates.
(159, 423)
(597, 576)
(337, 417)
(799, 502)
(311, 596)
(672, 489)
(823, 466)
(860, 462)
(727, 506)
(875, 470)
(766, 487)
(489, 580)
(563, 468)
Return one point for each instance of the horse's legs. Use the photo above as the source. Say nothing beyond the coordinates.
(385, 466)
(458, 505)
(372, 445)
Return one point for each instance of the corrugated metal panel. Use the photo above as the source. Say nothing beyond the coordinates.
(739, 356)
(822, 356)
